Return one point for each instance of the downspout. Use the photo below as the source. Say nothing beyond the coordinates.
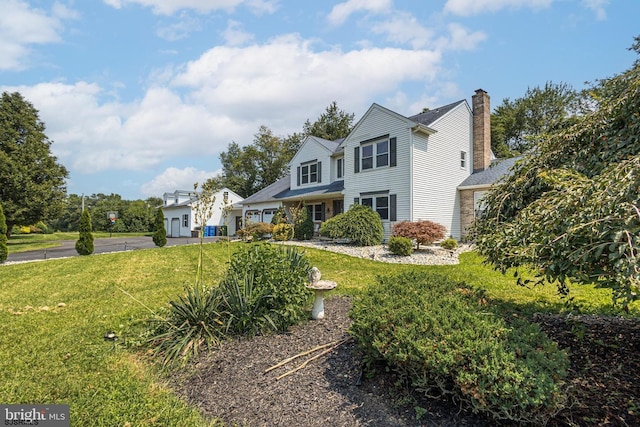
(411, 195)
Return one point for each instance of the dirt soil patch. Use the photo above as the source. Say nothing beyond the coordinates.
(230, 383)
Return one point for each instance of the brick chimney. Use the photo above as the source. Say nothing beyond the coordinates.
(481, 131)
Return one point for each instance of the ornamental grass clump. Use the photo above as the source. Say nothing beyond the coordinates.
(443, 337)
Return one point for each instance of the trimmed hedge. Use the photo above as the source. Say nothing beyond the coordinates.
(442, 336)
(400, 245)
(360, 225)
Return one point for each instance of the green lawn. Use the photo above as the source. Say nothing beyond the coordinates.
(32, 242)
(57, 354)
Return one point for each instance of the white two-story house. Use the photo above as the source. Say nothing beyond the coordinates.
(179, 209)
(430, 166)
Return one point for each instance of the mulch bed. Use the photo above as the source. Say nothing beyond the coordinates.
(230, 383)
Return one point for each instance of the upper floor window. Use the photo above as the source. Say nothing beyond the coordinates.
(339, 168)
(463, 159)
(310, 172)
(376, 153)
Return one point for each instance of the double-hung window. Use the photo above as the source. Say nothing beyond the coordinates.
(379, 204)
(463, 159)
(340, 168)
(375, 153)
(309, 173)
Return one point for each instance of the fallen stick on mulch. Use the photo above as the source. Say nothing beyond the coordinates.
(332, 346)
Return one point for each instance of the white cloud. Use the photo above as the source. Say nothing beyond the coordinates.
(223, 96)
(341, 12)
(279, 80)
(172, 179)
(474, 7)
(234, 35)
(182, 28)
(22, 26)
(598, 6)
(460, 38)
(404, 28)
(169, 7)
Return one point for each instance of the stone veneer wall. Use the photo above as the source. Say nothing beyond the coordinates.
(466, 211)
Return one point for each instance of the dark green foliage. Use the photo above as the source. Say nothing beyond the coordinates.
(449, 244)
(159, 232)
(282, 232)
(33, 182)
(84, 244)
(571, 210)
(193, 323)
(360, 225)
(443, 337)
(4, 250)
(400, 245)
(332, 124)
(303, 228)
(265, 289)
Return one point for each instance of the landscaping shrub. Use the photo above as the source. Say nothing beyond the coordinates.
(360, 225)
(4, 250)
(442, 336)
(256, 230)
(423, 232)
(159, 232)
(280, 217)
(304, 228)
(264, 289)
(400, 245)
(449, 244)
(282, 232)
(84, 244)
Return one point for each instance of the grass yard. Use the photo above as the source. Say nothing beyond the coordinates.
(32, 242)
(55, 314)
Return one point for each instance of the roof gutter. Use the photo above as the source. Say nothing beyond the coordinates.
(420, 128)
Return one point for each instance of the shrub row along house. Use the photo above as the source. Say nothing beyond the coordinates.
(432, 166)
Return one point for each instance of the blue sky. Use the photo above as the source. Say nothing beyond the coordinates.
(140, 96)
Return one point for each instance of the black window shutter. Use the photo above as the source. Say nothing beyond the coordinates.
(323, 209)
(356, 200)
(356, 159)
(393, 158)
(392, 208)
(298, 176)
(319, 172)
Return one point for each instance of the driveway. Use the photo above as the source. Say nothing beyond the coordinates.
(67, 248)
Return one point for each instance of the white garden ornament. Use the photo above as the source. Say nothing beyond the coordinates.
(319, 287)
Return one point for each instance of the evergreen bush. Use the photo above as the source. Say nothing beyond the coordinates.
(84, 244)
(444, 337)
(449, 244)
(256, 230)
(280, 217)
(159, 232)
(400, 246)
(264, 289)
(4, 249)
(304, 228)
(282, 232)
(360, 225)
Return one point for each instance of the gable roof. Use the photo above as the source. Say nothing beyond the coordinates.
(267, 193)
(489, 176)
(430, 116)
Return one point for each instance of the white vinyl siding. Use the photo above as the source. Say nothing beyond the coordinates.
(437, 169)
(378, 122)
(311, 153)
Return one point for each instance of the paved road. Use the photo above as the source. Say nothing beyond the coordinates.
(110, 244)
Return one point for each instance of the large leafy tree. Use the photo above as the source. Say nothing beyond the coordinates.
(250, 168)
(32, 182)
(517, 126)
(572, 208)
